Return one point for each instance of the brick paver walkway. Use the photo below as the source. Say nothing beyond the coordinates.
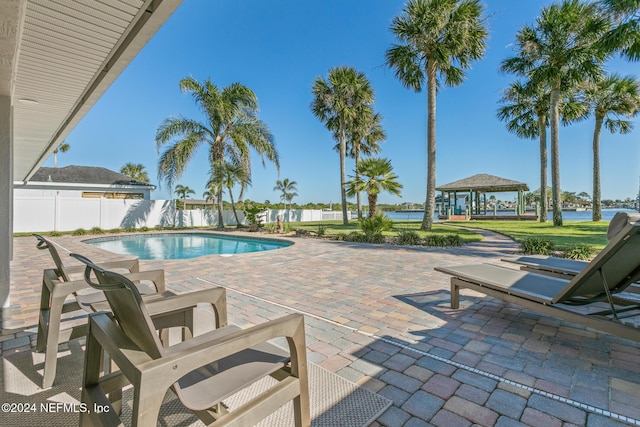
(380, 316)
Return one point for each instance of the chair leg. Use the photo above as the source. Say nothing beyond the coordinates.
(52, 340)
(45, 299)
(455, 294)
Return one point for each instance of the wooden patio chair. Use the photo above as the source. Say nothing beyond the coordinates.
(610, 273)
(60, 294)
(202, 371)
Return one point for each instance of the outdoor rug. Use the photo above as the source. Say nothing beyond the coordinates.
(334, 400)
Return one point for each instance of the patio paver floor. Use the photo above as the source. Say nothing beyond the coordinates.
(380, 316)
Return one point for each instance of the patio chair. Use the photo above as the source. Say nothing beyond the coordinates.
(612, 271)
(55, 301)
(202, 371)
(567, 268)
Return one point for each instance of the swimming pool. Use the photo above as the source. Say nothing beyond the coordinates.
(183, 245)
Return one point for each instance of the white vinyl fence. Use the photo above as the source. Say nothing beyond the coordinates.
(56, 213)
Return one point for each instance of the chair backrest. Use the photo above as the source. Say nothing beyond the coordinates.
(47, 244)
(127, 306)
(618, 264)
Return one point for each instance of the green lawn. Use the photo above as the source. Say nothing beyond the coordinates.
(570, 234)
(336, 227)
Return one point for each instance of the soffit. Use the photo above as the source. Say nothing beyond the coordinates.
(68, 53)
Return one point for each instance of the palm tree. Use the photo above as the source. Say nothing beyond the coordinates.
(183, 191)
(525, 112)
(337, 102)
(625, 36)
(374, 176)
(559, 52)
(364, 137)
(210, 196)
(135, 171)
(287, 189)
(63, 148)
(226, 175)
(230, 130)
(611, 98)
(438, 39)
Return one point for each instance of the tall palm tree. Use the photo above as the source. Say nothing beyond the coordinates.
(230, 130)
(287, 190)
(613, 99)
(337, 102)
(625, 35)
(559, 52)
(363, 138)
(183, 191)
(525, 110)
(374, 176)
(135, 171)
(227, 175)
(438, 39)
(63, 148)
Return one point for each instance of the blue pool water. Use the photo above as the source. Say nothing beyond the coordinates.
(183, 245)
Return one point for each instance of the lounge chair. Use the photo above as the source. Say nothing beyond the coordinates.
(567, 268)
(201, 371)
(57, 286)
(612, 271)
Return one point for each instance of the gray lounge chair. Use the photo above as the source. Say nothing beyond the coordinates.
(57, 286)
(567, 268)
(201, 371)
(612, 271)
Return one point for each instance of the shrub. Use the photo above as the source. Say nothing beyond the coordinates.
(377, 224)
(537, 246)
(443, 240)
(130, 230)
(79, 232)
(55, 234)
(341, 237)
(322, 230)
(376, 237)
(408, 237)
(96, 230)
(252, 213)
(579, 252)
(144, 229)
(271, 227)
(356, 236)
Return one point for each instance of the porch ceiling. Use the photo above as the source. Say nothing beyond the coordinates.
(57, 57)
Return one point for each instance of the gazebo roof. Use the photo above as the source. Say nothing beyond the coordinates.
(484, 183)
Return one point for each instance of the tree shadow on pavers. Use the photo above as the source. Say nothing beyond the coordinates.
(476, 249)
(535, 350)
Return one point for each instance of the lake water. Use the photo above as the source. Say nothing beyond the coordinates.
(607, 214)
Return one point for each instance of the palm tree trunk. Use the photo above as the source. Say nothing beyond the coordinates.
(596, 213)
(233, 207)
(555, 158)
(542, 131)
(373, 201)
(429, 204)
(358, 194)
(343, 179)
(220, 206)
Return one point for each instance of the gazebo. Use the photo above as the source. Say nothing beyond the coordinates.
(476, 188)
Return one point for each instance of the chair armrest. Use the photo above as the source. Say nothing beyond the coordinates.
(132, 265)
(155, 276)
(57, 287)
(217, 297)
(188, 355)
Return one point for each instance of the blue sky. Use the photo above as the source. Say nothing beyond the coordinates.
(278, 48)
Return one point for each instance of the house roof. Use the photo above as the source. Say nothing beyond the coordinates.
(484, 183)
(85, 175)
